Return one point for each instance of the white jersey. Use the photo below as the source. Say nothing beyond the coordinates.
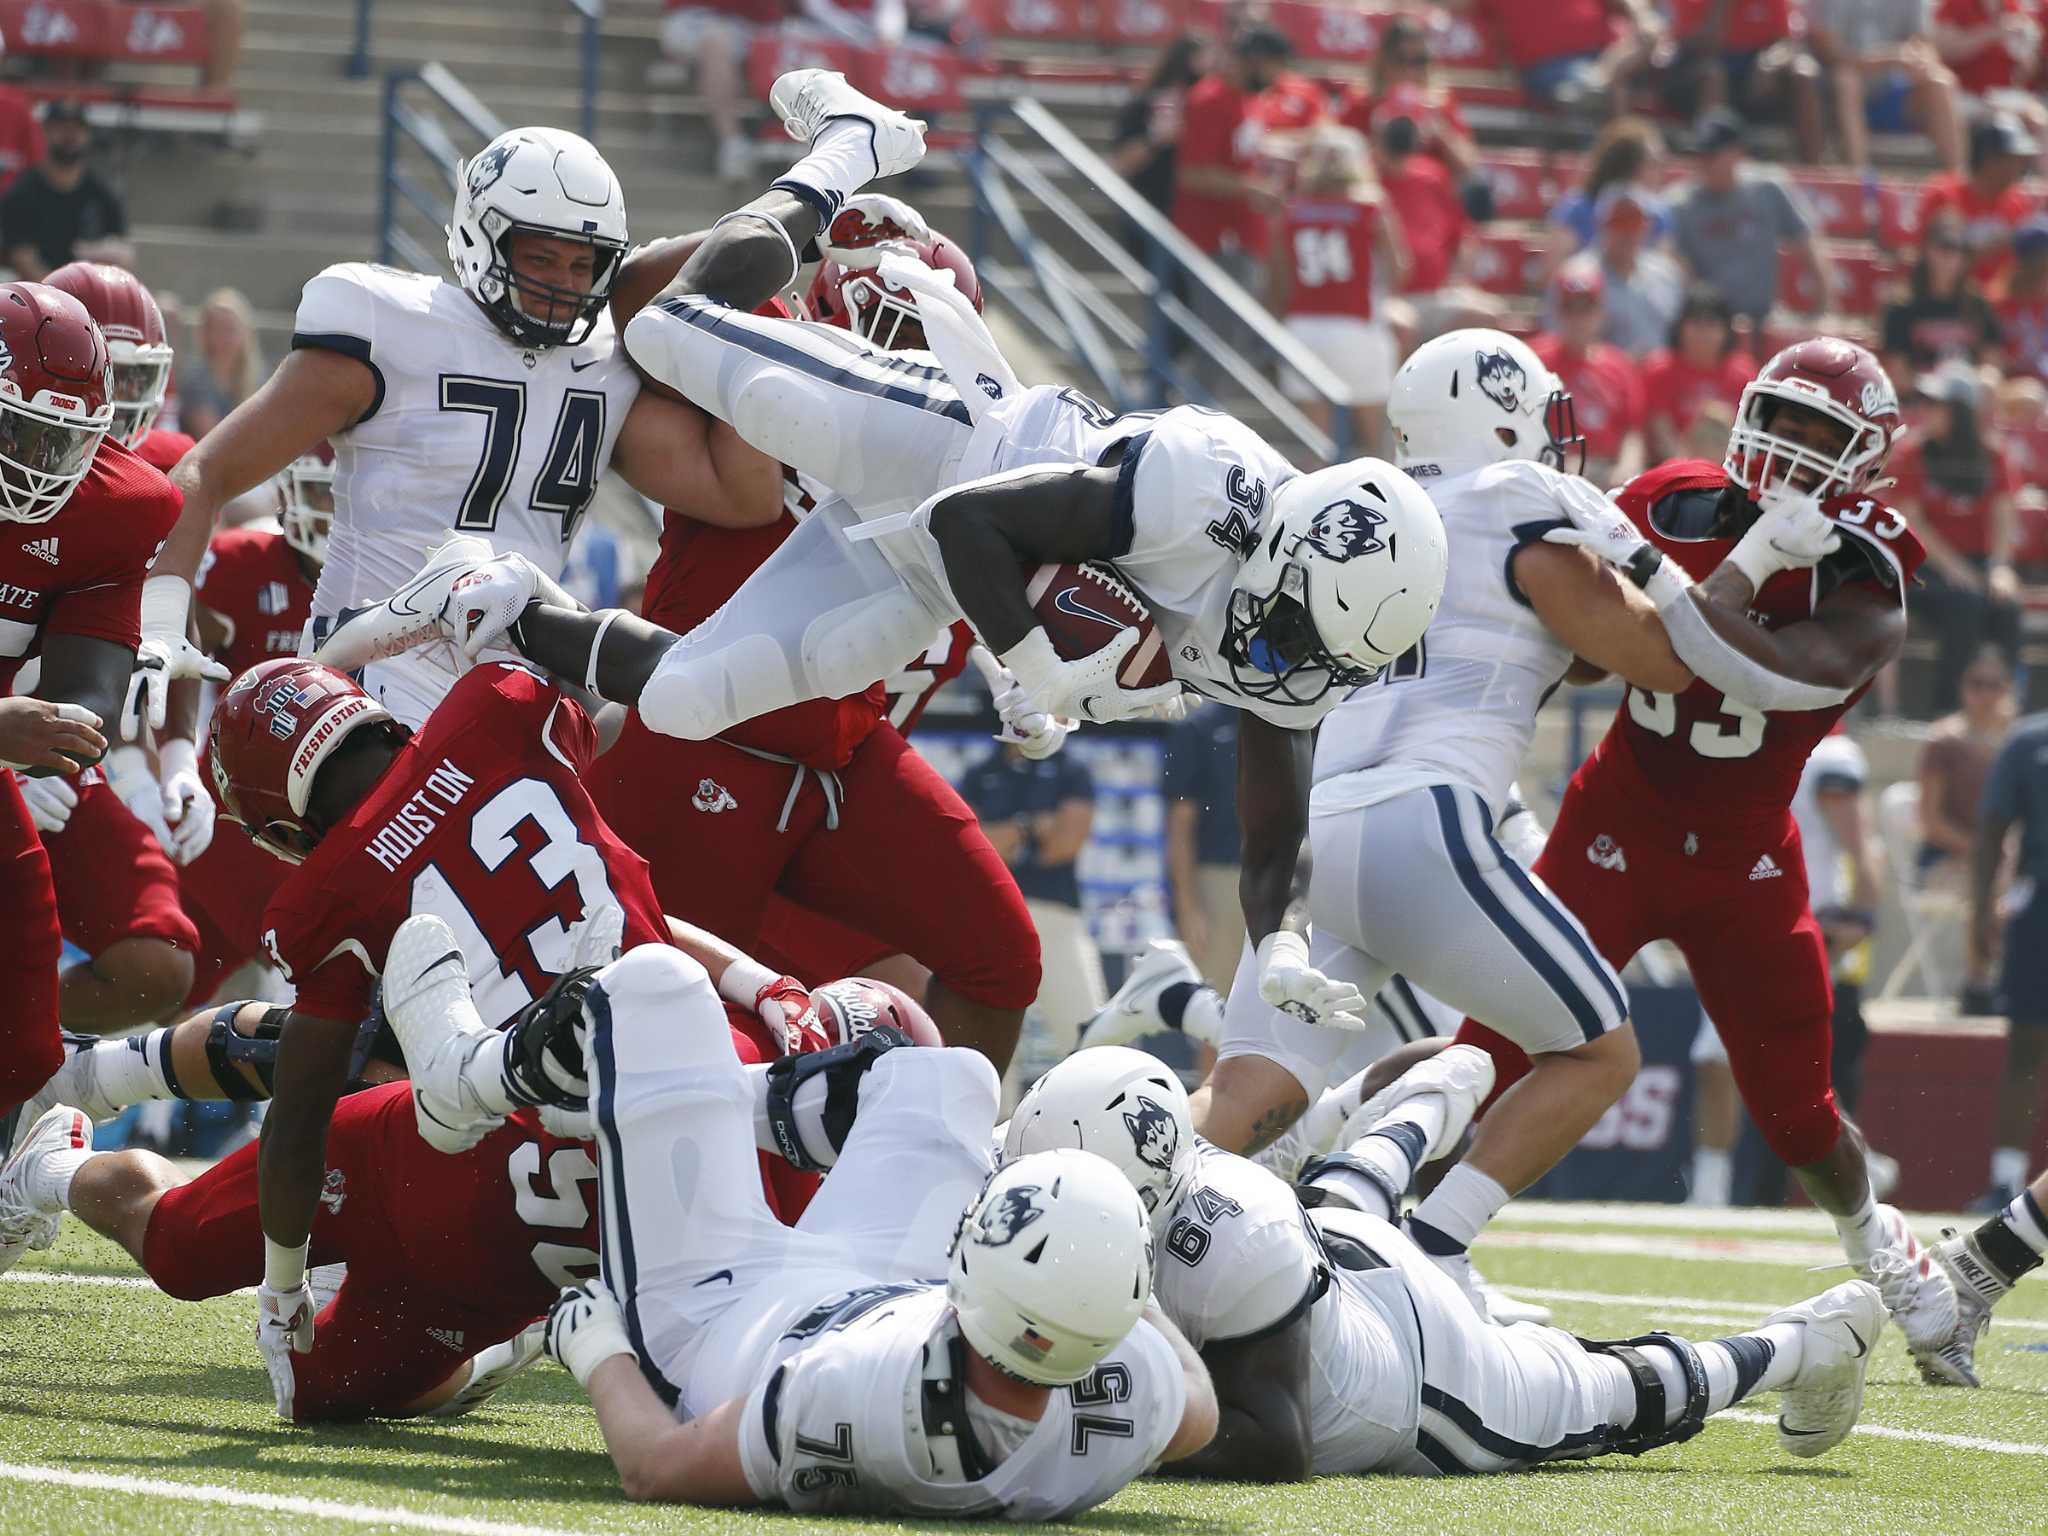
(864, 1408)
(1240, 1260)
(468, 432)
(1460, 708)
(1837, 763)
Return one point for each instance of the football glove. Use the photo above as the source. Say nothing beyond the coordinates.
(1792, 533)
(188, 810)
(284, 1327)
(164, 653)
(1086, 689)
(50, 802)
(1031, 732)
(585, 1329)
(1289, 983)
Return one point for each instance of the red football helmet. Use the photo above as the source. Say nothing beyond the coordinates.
(849, 1008)
(1830, 378)
(56, 399)
(305, 502)
(859, 301)
(127, 316)
(274, 727)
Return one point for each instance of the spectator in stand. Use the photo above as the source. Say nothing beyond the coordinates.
(1955, 487)
(1336, 243)
(1572, 52)
(1202, 840)
(225, 20)
(1993, 48)
(1605, 384)
(713, 38)
(229, 367)
(21, 136)
(860, 23)
(1403, 64)
(1729, 222)
(1955, 763)
(1885, 75)
(2023, 309)
(61, 209)
(1743, 54)
(1423, 197)
(1703, 365)
(1148, 126)
(1627, 152)
(1644, 288)
(1988, 204)
(1943, 317)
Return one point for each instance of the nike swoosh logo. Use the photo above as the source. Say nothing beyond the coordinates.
(588, 362)
(1802, 1434)
(1862, 1348)
(722, 1274)
(1066, 602)
(453, 954)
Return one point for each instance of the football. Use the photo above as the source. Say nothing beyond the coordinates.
(849, 1008)
(1084, 607)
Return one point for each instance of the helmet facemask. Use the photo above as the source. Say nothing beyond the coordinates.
(880, 315)
(45, 452)
(1274, 650)
(1563, 437)
(518, 304)
(1760, 458)
(142, 377)
(306, 510)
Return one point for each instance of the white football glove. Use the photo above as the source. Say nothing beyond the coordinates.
(585, 1329)
(1289, 983)
(1792, 533)
(1084, 690)
(861, 231)
(50, 801)
(486, 601)
(1596, 523)
(188, 810)
(163, 654)
(129, 776)
(284, 1327)
(1036, 735)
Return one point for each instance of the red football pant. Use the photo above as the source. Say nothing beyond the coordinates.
(113, 879)
(30, 1048)
(1738, 910)
(907, 864)
(225, 891)
(814, 948)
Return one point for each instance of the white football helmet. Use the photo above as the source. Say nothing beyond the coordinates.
(1052, 1266)
(1473, 398)
(1118, 1103)
(1347, 574)
(536, 181)
(305, 503)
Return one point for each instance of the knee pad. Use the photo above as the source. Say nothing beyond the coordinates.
(1649, 1430)
(1311, 1194)
(701, 687)
(781, 412)
(841, 1067)
(227, 1049)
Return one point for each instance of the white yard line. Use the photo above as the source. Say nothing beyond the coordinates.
(1924, 1436)
(1674, 1245)
(1704, 1309)
(274, 1503)
(1694, 1218)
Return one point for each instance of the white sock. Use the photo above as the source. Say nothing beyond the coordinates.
(1202, 1021)
(131, 1071)
(49, 1187)
(1862, 1231)
(2008, 1167)
(1713, 1177)
(2020, 1217)
(840, 163)
(1456, 1211)
(484, 1075)
(1393, 1146)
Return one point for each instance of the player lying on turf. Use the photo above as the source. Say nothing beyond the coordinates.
(1337, 1345)
(818, 1366)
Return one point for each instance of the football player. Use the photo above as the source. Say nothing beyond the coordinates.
(1986, 1263)
(140, 347)
(1039, 1382)
(1336, 1344)
(92, 517)
(1781, 579)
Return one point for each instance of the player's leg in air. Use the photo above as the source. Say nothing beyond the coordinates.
(1985, 1264)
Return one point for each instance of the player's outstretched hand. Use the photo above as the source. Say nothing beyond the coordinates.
(163, 655)
(585, 1329)
(284, 1327)
(36, 733)
(1288, 982)
(1596, 523)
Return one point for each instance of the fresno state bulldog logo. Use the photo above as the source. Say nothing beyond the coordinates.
(1154, 1136)
(486, 170)
(1344, 530)
(999, 1224)
(1501, 379)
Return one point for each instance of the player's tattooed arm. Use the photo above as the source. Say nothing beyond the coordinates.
(1262, 1425)
(312, 1068)
(991, 532)
(1272, 814)
(78, 669)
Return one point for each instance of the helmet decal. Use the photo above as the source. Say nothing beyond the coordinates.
(279, 703)
(1880, 399)
(1153, 1134)
(1501, 379)
(1346, 529)
(490, 164)
(1000, 1223)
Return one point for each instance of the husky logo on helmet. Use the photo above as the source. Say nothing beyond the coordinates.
(1501, 379)
(487, 167)
(1000, 1223)
(1344, 530)
(1153, 1134)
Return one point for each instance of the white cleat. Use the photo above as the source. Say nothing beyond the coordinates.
(493, 1368)
(1508, 1310)
(1978, 1288)
(26, 1220)
(77, 1082)
(1134, 1010)
(1459, 1267)
(1461, 1074)
(808, 99)
(1819, 1407)
(426, 998)
(409, 617)
(1917, 1290)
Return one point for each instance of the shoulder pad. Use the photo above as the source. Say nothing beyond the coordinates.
(1877, 543)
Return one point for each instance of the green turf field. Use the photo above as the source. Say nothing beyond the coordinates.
(122, 1411)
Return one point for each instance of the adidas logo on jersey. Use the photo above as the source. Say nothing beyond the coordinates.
(1766, 868)
(452, 1337)
(43, 549)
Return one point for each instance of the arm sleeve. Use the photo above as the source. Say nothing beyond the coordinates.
(1736, 675)
(338, 313)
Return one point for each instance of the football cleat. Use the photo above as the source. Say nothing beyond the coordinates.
(1978, 1288)
(1462, 1075)
(77, 1082)
(426, 998)
(410, 616)
(27, 1220)
(808, 99)
(1134, 1010)
(1917, 1290)
(492, 1368)
(1505, 1309)
(1820, 1405)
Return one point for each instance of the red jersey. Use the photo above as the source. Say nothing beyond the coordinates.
(1992, 66)
(1752, 25)
(698, 568)
(1606, 388)
(163, 448)
(1535, 34)
(1710, 760)
(21, 136)
(2023, 325)
(1353, 106)
(1215, 132)
(81, 572)
(1424, 195)
(1328, 245)
(912, 688)
(1982, 219)
(482, 818)
(1961, 519)
(1675, 391)
(252, 581)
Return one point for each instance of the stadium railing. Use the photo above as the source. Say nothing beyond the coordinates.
(590, 49)
(418, 104)
(1075, 315)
